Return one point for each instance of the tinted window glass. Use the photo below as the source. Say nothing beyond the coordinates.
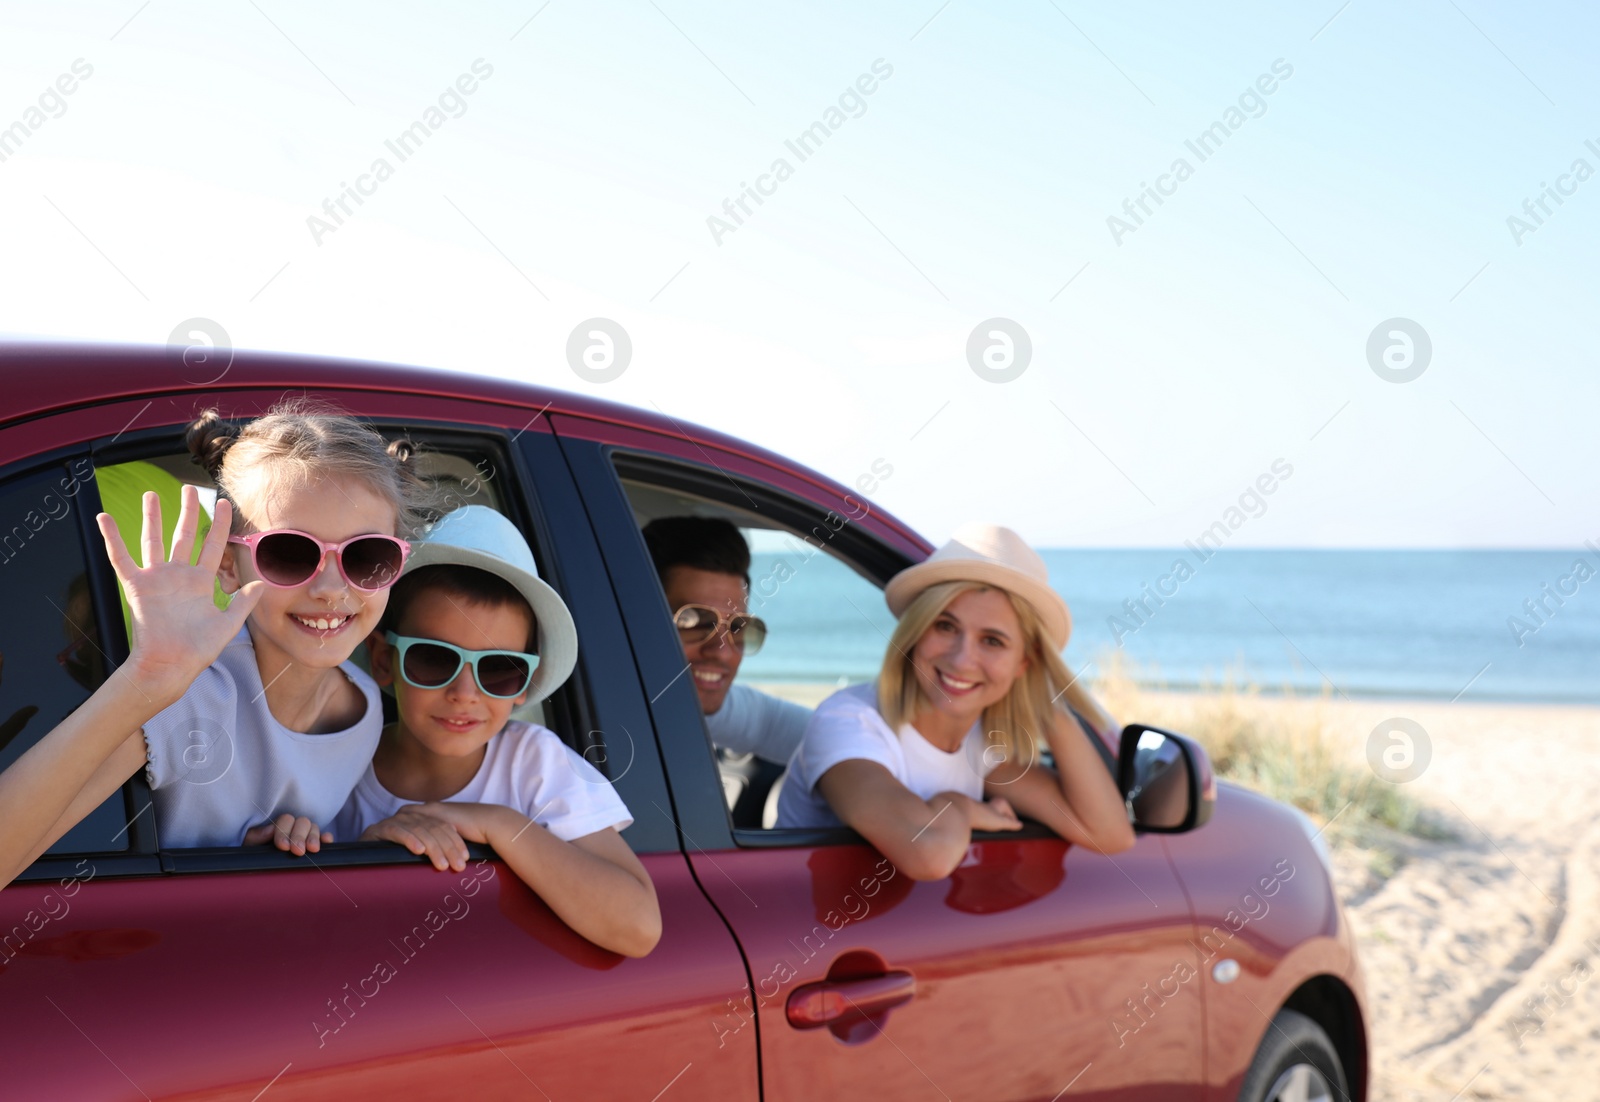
(51, 653)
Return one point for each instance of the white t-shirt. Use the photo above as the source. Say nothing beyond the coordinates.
(751, 722)
(847, 726)
(219, 762)
(525, 767)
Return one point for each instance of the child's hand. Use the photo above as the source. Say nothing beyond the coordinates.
(474, 822)
(297, 835)
(177, 630)
(422, 833)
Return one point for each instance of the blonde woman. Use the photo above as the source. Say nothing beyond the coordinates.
(948, 740)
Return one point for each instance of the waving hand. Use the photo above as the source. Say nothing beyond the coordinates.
(177, 629)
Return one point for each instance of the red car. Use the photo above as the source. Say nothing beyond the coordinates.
(1211, 961)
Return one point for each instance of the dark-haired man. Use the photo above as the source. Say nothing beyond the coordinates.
(704, 566)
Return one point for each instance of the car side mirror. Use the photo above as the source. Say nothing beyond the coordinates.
(1165, 779)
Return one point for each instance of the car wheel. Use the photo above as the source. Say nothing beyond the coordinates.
(1295, 1063)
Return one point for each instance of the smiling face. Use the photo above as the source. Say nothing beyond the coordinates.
(970, 656)
(714, 662)
(459, 718)
(319, 623)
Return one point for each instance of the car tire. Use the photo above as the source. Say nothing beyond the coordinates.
(1295, 1063)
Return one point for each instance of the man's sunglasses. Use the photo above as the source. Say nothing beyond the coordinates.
(697, 623)
(433, 664)
(285, 558)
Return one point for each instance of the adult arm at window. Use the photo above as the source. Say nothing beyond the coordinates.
(925, 839)
(1077, 799)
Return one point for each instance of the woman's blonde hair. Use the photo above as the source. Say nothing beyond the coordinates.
(296, 444)
(1018, 722)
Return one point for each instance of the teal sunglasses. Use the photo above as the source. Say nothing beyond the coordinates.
(433, 664)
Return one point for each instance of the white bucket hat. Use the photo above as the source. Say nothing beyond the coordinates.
(995, 556)
(477, 536)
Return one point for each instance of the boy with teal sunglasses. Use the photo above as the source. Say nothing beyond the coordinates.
(471, 633)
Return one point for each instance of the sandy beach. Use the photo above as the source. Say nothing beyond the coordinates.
(1481, 953)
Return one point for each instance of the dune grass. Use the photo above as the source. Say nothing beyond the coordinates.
(1289, 754)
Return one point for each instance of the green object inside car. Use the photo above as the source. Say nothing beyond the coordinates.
(122, 489)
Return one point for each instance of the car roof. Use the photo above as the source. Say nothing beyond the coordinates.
(43, 377)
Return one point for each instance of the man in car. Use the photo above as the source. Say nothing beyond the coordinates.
(704, 566)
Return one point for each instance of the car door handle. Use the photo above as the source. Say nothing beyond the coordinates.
(818, 1004)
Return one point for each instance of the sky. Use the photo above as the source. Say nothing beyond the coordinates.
(1094, 274)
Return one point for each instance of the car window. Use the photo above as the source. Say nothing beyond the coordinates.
(826, 623)
(52, 650)
(45, 568)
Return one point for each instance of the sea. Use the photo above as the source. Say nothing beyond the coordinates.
(1453, 625)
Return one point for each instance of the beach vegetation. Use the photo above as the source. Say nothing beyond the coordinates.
(1281, 745)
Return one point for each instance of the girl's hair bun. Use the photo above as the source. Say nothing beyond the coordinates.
(401, 451)
(209, 437)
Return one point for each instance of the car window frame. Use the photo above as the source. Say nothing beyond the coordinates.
(650, 621)
(570, 708)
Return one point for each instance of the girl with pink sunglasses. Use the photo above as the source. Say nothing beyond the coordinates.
(251, 721)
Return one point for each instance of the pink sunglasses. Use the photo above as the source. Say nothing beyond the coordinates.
(286, 558)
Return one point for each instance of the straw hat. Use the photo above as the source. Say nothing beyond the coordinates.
(995, 556)
(478, 536)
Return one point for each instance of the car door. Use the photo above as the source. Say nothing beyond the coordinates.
(1037, 970)
(127, 969)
